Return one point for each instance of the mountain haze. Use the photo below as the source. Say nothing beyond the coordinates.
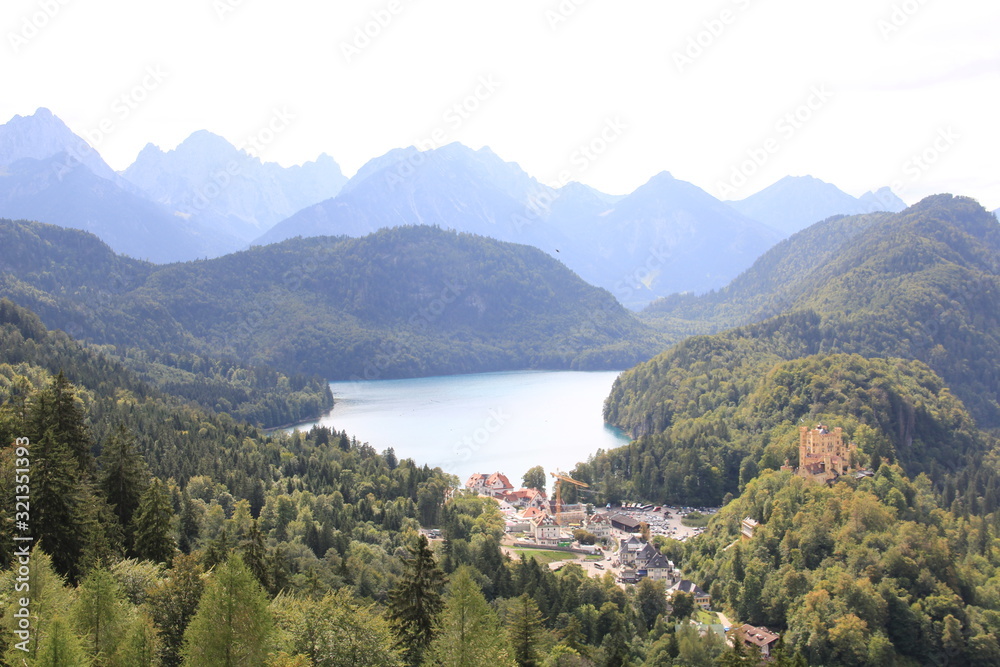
(208, 181)
(795, 202)
(662, 238)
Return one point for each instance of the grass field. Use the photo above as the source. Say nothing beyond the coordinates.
(696, 520)
(544, 556)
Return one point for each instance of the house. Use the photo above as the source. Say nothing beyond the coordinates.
(526, 498)
(477, 483)
(497, 484)
(599, 525)
(635, 553)
(659, 568)
(532, 513)
(760, 637)
(624, 523)
(701, 598)
(545, 529)
(747, 526)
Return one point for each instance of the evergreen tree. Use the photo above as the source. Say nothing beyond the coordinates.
(188, 524)
(337, 630)
(61, 520)
(524, 623)
(100, 614)
(62, 412)
(233, 625)
(173, 602)
(140, 644)
(123, 476)
(61, 648)
(254, 553)
(416, 601)
(151, 525)
(470, 633)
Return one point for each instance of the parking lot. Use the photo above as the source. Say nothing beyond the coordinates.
(666, 521)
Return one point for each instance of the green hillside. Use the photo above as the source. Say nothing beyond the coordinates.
(402, 302)
(922, 284)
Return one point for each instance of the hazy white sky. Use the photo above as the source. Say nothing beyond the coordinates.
(730, 95)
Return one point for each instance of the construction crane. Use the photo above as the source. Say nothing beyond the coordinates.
(560, 478)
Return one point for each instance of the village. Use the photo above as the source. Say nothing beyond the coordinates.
(622, 540)
(619, 541)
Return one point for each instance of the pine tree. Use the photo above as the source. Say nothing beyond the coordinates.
(470, 633)
(61, 648)
(151, 525)
(63, 413)
(61, 520)
(123, 476)
(188, 524)
(173, 602)
(416, 601)
(524, 623)
(254, 553)
(100, 613)
(233, 624)
(140, 644)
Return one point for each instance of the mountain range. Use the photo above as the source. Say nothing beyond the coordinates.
(203, 199)
(795, 202)
(403, 302)
(922, 284)
(206, 198)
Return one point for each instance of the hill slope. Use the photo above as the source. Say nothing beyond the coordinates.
(403, 302)
(921, 284)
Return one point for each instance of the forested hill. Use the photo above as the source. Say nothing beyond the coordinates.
(921, 284)
(402, 302)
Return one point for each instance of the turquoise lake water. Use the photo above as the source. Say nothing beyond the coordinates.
(486, 422)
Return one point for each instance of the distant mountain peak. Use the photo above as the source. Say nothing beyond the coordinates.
(795, 202)
(43, 135)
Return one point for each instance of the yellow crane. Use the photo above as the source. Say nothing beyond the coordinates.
(560, 478)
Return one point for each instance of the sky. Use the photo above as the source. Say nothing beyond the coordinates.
(730, 95)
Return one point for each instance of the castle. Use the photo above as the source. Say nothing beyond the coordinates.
(823, 456)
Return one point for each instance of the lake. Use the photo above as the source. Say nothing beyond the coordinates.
(485, 422)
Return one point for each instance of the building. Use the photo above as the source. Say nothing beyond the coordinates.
(760, 637)
(574, 514)
(497, 485)
(545, 530)
(526, 498)
(823, 456)
(658, 568)
(599, 525)
(747, 526)
(624, 523)
(635, 553)
(477, 483)
(701, 598)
